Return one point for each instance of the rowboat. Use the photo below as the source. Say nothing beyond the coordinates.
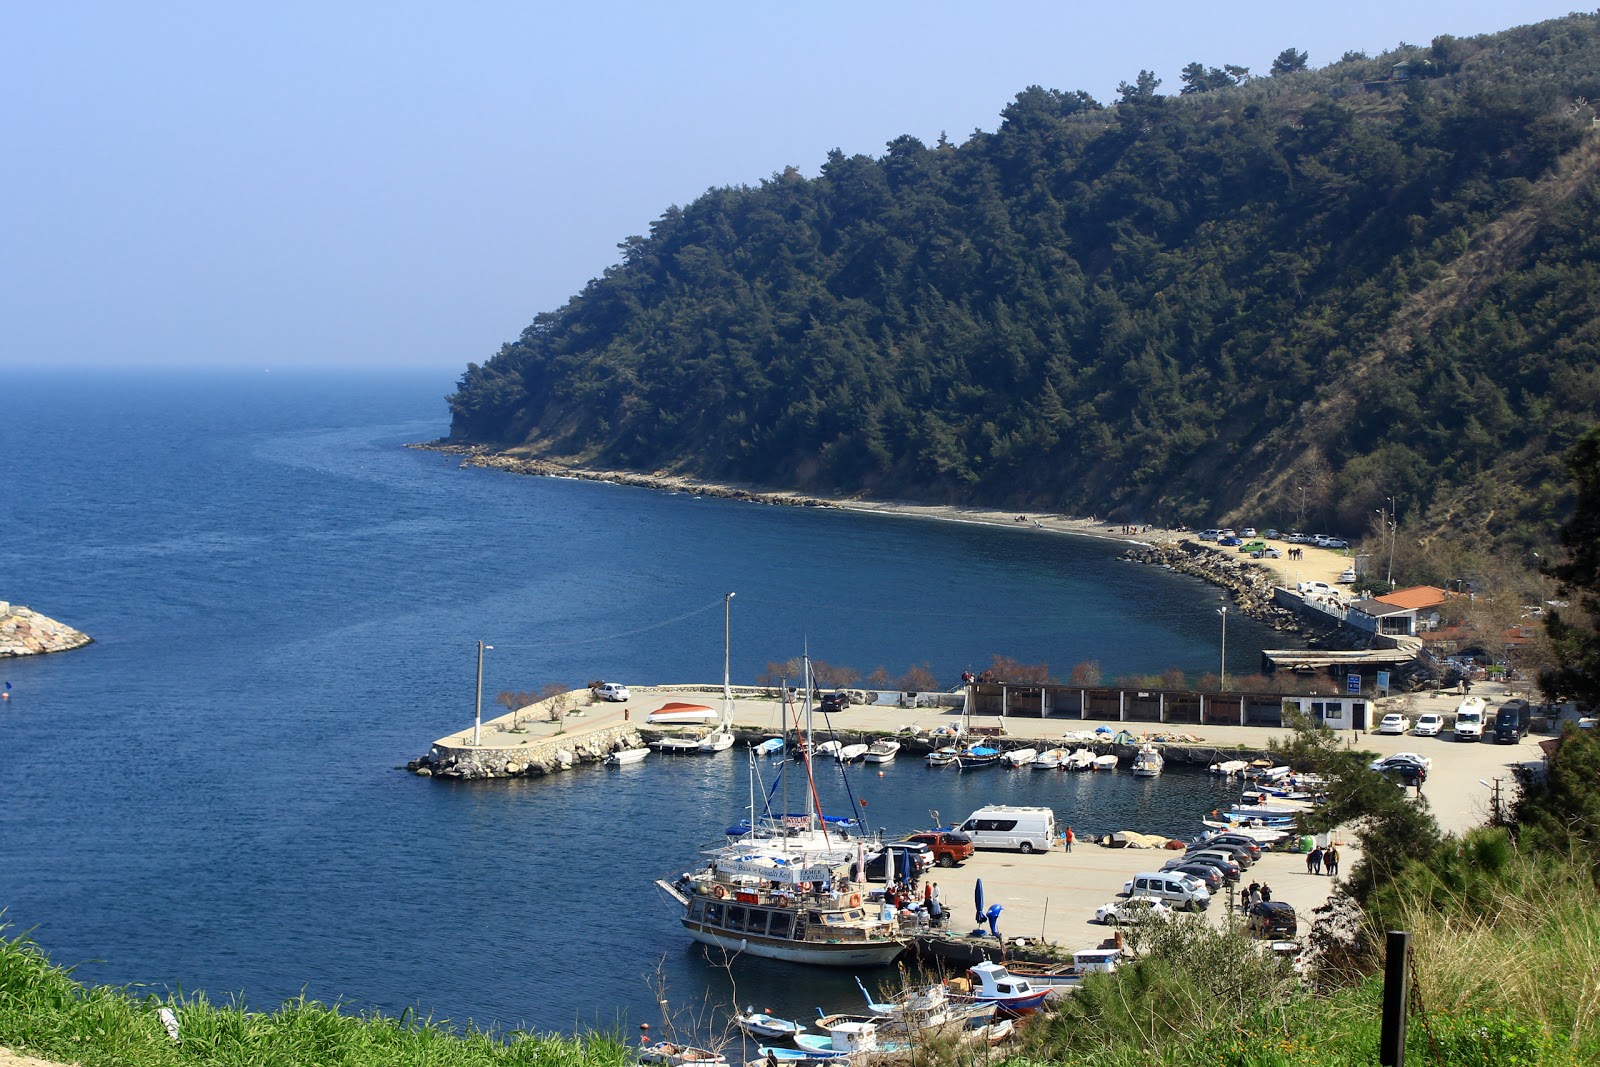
(624, 756)
(882, 751)
(1018, 757)
(763, 1024)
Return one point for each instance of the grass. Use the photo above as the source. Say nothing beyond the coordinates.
(45, 1013)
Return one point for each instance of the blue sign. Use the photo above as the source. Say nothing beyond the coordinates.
(1352, 683)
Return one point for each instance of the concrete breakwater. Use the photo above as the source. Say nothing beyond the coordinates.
(531, 757)
(24, 632)
(1250, 585)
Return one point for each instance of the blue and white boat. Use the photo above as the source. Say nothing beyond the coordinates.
(974, 757)
(769, 1027)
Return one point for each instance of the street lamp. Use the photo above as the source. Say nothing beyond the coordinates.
(1300, 519)
(477, 714)
(1223, 678)
(727, 686)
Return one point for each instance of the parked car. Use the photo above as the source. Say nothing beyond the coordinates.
(1247, 532)
(1270, 535)
(1211, 876)
(1249, 844)
(1402, 759)
(1230, 541)
(1316, 589)
(1183, 891)
(1271, 918)
(1237, 853)
(1324, 541)
(1511, 721)
(1394, 723)
(1429, 723)
(949, 847)
(1132, 911)
(1225, 867)
(1348, 575)
(1209, 535)
(836, 701)
(611, 691)
(1268, 553)
(1253, 546)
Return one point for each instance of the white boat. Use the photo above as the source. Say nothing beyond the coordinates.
(1050, 759)
(942, 757)
(767, 1055)
(1108, 762)
(883, 751)
(1080, 760)
(1018, 757)
(624, 756)
(678, 713)
(1230, 767)
(851, 753)
(852, 1035)
(828, 748)
(677, 746)
(993, 1032)
(992, 983)
(924, 1011)
(772, 746)
(1148, 762)
(764, 1024)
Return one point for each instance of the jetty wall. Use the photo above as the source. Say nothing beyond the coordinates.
(530, 757)
(24, 632)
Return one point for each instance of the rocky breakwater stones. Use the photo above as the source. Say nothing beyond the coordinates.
(24, 632)
(533, 760)
(1251, 584)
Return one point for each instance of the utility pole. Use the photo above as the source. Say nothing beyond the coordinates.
(1223, 676)
(1300, 518)
(477, 714)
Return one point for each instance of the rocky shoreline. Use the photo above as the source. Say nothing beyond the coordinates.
(1249, 586)
(24, 632)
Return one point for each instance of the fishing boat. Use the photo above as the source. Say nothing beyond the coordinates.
(1148, 762)
(624, 756)
(942, 757)
(1018, 757)
(973, 757)
(852, 1035)
(1081, 759)
(1050, 759)
(764, 1024)
(1108, 762)
(882, 751)
(991, 982)
(852, 753)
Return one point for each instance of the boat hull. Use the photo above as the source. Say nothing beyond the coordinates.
(819, 953)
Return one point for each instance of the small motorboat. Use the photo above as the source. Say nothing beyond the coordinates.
(993, 983)
(852, 753)
(772, 746)
(624, 756)
(678, 713)
(764, 1024)
(1080, 760)
(882, 751)
(993, 1032)
(1018, 757)
(1148, 762)
(1050, 759)
(768, 1054)
(1108, 762)
(1229, 767)
(942, 757)
(827, 748)
(848, 1034)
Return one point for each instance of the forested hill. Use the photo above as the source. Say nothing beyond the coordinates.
(1375, 279)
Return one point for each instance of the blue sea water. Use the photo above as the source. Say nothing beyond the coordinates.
(286, 602)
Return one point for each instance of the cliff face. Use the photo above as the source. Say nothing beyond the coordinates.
(24, 632)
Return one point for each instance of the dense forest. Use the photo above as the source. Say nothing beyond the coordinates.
(1281, 299)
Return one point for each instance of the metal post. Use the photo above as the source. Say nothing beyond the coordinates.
(1396, 990)
(1222, 682)
(477, 714)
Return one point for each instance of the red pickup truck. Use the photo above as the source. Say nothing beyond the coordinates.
(949, 847)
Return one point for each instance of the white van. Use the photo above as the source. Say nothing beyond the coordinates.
(1469, 719)
(1005, 826)
(1173, 887)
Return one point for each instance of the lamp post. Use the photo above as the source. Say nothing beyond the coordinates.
(477, 713)
(1394, 532)
(1300, 518)
(727, 686)
(1223, 677)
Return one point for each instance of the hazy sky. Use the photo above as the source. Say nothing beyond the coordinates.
(408, 184)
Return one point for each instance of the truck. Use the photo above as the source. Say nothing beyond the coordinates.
(1511, 721)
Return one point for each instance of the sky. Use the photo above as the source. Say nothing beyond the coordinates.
(404, 184)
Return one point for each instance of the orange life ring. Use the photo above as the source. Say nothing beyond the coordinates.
(718, 892)
(855, 900)
(805, 887)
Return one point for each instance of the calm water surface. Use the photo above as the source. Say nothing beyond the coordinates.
(286, 602)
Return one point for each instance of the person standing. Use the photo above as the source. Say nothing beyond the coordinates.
(1070, 838)
(1313, 860)
(1330, 860)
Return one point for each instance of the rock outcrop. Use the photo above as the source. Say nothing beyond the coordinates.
(24, 632)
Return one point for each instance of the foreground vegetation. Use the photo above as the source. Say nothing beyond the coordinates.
(44, 1013)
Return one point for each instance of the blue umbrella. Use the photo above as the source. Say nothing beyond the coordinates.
(905, 865)
(977, 898)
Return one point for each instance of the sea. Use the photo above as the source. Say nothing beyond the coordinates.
(286, 604)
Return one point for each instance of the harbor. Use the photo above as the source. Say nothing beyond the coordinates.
(1048, 898)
